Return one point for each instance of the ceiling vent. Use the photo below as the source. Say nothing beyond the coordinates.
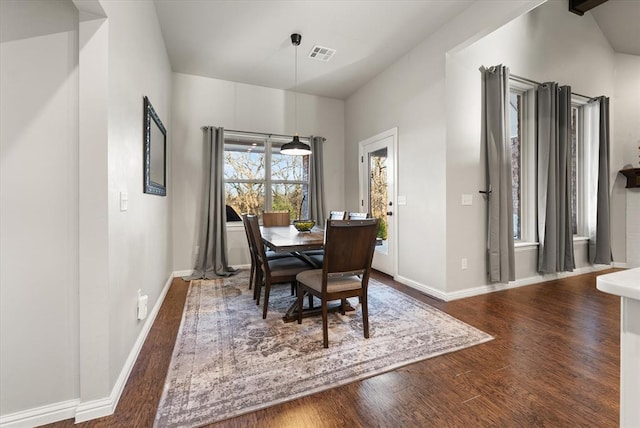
(321, 53)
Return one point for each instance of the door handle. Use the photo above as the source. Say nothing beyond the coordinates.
(389, 212)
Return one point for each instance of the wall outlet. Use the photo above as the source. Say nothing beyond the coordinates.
(142, 305)
(463, 263)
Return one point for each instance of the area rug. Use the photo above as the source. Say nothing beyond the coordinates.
(228, 361)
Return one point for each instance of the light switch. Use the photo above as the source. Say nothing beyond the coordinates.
(402, 200)
(467, 199)
(124, 201)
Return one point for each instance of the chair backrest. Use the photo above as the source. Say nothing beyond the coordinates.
(276, 218)
(258, 246)
(357, 216)
(247, 229)
(349, 247)
(337, 215)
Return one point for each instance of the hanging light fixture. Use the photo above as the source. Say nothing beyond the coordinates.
(295, 147)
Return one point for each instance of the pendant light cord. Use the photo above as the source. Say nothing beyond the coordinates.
(295, 94)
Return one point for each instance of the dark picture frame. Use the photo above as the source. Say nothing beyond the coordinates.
(155, 152)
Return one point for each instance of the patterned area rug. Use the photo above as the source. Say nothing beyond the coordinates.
(228, 360)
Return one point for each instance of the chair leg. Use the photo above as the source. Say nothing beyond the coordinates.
(257, 289)
(325, 325)
(310, 301)
(267, 289)
(300, 299)
(251, 276)
(365, 315)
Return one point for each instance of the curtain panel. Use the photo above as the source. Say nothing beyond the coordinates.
(495, 136)
(316, 181)
(600, 228)
(212, 258)
(555, 234)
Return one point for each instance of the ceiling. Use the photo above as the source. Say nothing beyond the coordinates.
(249, 41)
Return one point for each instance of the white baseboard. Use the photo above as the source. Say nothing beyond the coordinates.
(84, 411)
(106, 406)
(179, 273)
(622, 265)
(490, 288)
(40, 415)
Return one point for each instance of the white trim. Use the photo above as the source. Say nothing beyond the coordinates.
(363, 187)
(180, 273)
(106, 406)
(40, 415)
(490, 288)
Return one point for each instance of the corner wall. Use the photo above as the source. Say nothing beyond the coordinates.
(38, 204)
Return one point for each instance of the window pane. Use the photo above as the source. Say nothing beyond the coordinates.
(291, 197)
(515, 111)
(574, 169)
(245, 198)
(244, 160)
(287, 167)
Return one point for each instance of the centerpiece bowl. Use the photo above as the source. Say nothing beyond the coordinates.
(304, 225)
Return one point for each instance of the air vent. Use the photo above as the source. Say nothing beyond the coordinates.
(321, 53)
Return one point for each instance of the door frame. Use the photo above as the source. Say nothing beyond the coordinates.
(363, 187)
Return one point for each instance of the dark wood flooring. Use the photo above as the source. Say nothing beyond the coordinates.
(554, 362)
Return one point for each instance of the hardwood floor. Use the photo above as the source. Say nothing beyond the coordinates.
(554, 362)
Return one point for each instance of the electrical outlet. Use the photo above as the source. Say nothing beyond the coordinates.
(463, 263)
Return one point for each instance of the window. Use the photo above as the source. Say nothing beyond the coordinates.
(258, 178)
(522, 136)
(523, 161)
(578, 153)
(516, 110)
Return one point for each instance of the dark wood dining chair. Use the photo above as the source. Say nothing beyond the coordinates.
(272, 271)
(276, 218)
(348, 252)
(255, 274)
(357, 216)
(337, 215)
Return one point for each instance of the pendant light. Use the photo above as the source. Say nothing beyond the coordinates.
(295, 147)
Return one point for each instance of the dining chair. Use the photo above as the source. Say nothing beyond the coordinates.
(337, 215)
(276, 218)
(254, 276)
(274, 271)
(357, 216)
(349, 246)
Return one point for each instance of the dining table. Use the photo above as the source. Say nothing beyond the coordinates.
(287, 239)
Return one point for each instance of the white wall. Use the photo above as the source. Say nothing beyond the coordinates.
(549, 43)
(69, 331)
(38, 204)
(411, 95)
(140, 238)
(626, 153)
(200, 101)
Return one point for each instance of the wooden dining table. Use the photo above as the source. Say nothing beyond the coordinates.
(287, 239)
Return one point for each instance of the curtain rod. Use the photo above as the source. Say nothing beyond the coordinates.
(260, 134)
(525, 80)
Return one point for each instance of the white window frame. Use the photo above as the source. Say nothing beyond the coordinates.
(268, 142)
(581, 160)
(528, 164)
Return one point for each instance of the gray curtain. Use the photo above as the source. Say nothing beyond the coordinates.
(600, 247)
(316, 182)
(555, 233)
(495, 135)
(212, 258)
